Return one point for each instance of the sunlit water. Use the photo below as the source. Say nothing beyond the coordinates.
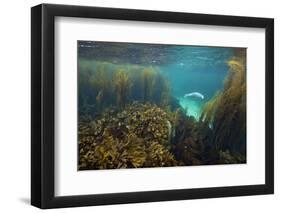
(188, 68)
(197, 69)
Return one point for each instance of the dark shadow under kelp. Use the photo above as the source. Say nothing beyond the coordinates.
(129, 119)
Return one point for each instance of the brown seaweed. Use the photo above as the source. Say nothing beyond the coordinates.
(122, 87)
(134, 137)
(148, 83)
(226, 112)
(146, 128)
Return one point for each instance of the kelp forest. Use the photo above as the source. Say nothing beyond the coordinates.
(142, 105)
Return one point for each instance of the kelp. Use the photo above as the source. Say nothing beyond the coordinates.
(191, 139)
(122, 88)
(102, 85)
(129, 152)
(225, 157)
(147, 78)
(189, 152)
(113, 153)
(150, 122)
(86, 98)
(130, 120)
(161, 90)
(226, 112)
(137, 136)
(159, 156)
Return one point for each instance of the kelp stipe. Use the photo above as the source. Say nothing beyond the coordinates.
(162, 90)
(121, 87)
(101, 86)
(147, 78)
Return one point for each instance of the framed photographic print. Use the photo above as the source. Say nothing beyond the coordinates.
(139, 106)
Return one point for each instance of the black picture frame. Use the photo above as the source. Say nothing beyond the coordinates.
(43, 102)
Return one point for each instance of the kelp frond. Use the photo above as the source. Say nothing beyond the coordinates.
(148, 75)
(226, 112)
(122, 87)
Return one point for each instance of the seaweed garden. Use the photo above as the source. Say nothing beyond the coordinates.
(159, 105)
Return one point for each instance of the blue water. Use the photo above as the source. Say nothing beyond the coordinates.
(197, 69)
(188, 68)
